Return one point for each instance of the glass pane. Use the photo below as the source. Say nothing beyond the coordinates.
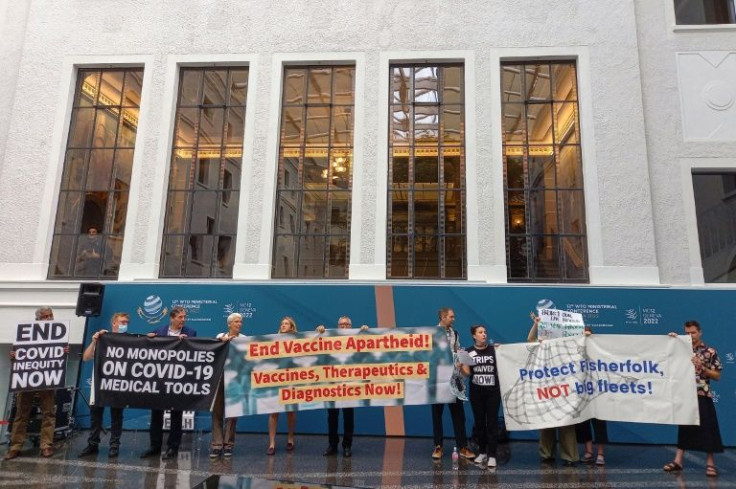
(318, 125)
(191, 83)
(426, 256)
(87, 88)
(569, 168)
(337, 257)
(119, 212)
(426, 125)
(342, 126)
(400, 169)
(573, 258)
(123, 168)
(514, 123)
(425, 216)
(340, 171)
(399, 218)
(100, 169)
(454, 257)
(289, 171)
(453, 172)
(284, 256)
(398, 257)
(106, 129)
(546, 258)
(572, 217)
(128, 128)
(343, 85)
(311, 257)
(542, 172)
(90, 255)
(452, 124)
(516, 212)
(172, 256)
(111, 88)
(75, 168)
(452, 88)
(95, 211)
(294, 86)
(69, 213)
(401, 86)
(314, 210)
(425, 85)
(225, 256)
(238, 86)
(566, 123)
(543, 212)
(511, 83)
(180, 175)
(564, 79)
(185, 135)
(715, 210)
(177, 212)
(215, 87)
(235, 126)
(208, 172)
(228, 217)
(133, 88)
(111, 261)
(200, 255)
(204, 212)
(80, 134)
(62, 257)
(316, 171)
(291, 126)
(517, 250)
(539, 123)
(339, 215)
(515, 172)
(426, 169)
(401, 118)
(286, 211)
(231, 174)
(454, 212)
(537, 82)
(320, 85)
(210, 128)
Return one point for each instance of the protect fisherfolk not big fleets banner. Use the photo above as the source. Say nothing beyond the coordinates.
(157, 373)
(338, 368)
(647, 379)
(40, 359)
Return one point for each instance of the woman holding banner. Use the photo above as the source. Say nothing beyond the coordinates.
(224, 439)
(485, 393)
(287, 326)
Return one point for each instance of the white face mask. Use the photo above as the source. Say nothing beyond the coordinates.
(122, 327)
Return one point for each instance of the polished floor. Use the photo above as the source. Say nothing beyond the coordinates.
(376, 462)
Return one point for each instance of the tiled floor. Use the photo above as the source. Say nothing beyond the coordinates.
(376, 462)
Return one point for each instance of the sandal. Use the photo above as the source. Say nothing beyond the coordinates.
(711, 471)
(587, 459)
(271, 451)
(600, 460)
(290, 446)
(672, 467)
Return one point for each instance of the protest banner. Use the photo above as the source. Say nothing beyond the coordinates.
(338, 368)
(554, 323)
(40, 359)
(647, 379)
(157, 373)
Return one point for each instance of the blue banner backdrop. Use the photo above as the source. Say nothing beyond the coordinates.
(503, 309)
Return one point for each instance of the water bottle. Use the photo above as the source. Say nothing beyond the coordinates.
(455, 458)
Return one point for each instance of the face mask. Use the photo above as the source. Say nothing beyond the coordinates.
(122, 328)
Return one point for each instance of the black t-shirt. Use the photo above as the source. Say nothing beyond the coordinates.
(483, 374)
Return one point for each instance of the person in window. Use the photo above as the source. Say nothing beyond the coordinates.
(118, 324)
(176, 327)
(89, 254)
(223, 440)
(348, 414)
(24, 404)
(485, 394)
(705, 437)
(287, 326)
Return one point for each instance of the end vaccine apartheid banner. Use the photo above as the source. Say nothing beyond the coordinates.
(157, 373)
(559, 382)
(338, 368)
(40, 359)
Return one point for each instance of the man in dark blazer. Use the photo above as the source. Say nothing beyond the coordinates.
(177, 318)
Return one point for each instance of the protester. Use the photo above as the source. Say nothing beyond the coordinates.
(287, 326)
(118, 324)
(223, 440)
(584, 433)
(705, 437)
(457, 411)
(24, 403)
(485, 394)
(176, 327)
(89, 257)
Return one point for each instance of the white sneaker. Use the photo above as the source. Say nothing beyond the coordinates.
(481, 458)
(491, 462)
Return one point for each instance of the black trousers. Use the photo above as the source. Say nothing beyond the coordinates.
(116, 425)
(584, 431)
(457, 412)
(348, 425)
(485, 413)
(157, 429)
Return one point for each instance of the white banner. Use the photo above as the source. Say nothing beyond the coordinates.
(554, 323)
(646, 379)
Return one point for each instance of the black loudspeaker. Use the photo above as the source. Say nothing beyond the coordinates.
(89, 301)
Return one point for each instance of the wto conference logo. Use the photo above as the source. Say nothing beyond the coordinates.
(152, 310)
(632, 314)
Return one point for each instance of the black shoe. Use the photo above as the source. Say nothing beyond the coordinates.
(151, 452)
(331, 450)
(114, 451)
(569, 463)
(347, 452)
(170, 453)
(89, 450)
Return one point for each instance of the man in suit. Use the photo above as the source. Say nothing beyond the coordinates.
(177, 318)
